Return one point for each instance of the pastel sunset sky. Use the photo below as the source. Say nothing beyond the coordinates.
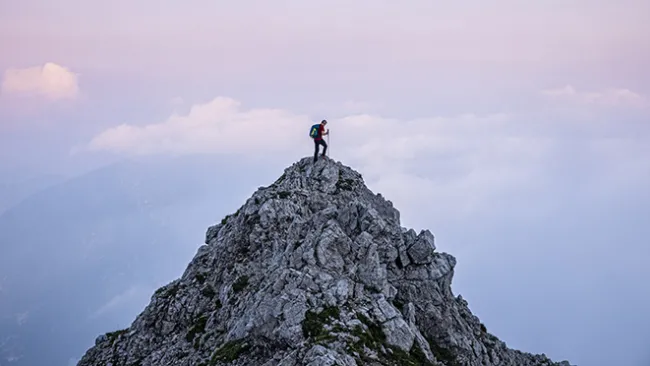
(518, 132)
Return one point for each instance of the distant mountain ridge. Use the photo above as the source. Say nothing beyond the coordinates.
(82, 254)
(12, 192)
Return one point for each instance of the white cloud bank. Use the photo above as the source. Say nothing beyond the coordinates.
(467, 162)
(607, 97)
(222, 126)
(218, 126)
(50, 81)
(444, 158)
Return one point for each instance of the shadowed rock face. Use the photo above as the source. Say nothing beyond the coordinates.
(312, 270)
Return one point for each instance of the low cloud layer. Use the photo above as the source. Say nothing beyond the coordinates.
(607, 97)
(464, 162)
(218, 126)
(50, 81)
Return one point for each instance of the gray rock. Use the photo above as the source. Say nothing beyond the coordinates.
(100, 339)
(399, 334)
(421, 251)
(314, 269)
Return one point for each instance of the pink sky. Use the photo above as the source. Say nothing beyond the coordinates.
(472, 105)
(607, 39)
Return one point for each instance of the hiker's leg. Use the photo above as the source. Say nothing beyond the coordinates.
(315, 150)
(322, 142)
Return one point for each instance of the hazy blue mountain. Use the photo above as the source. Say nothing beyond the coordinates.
(85, 255)
(12, 191)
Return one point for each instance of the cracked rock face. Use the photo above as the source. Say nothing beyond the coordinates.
(313, 270)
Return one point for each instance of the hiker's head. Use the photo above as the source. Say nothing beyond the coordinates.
(323, 122)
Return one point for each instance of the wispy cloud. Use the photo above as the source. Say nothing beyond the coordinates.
(608, 97)
(50, 81)
(134, 294)
(218, 126)
(476, 158)
(21, 318)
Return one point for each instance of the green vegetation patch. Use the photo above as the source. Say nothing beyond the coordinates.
(344, 184)
(313, 326)
(230, 351)
(168, 291)
(280, 180)
(415, 357)
(197, 328)
(374, 339)
(112, 336)
(443, 354)
(225, 219)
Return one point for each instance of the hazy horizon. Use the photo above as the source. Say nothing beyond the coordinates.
(519, 134)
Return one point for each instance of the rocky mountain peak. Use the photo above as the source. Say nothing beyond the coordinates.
(316, 270)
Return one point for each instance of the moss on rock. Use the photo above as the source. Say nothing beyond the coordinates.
(230, 351)
(313, 326)
(197, 328)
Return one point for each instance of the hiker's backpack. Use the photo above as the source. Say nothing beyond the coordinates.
(313, 131)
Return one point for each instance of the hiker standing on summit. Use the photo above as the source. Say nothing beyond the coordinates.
(317, 132)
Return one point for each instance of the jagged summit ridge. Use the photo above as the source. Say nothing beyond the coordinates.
(314, 269)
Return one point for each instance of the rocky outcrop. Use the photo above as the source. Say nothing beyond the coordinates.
(313, 270)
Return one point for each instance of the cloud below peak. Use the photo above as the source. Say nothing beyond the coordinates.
(51, 81)
(218, 126)
(390, 151)
(464, 163)
(222, 125)
(608, 97)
